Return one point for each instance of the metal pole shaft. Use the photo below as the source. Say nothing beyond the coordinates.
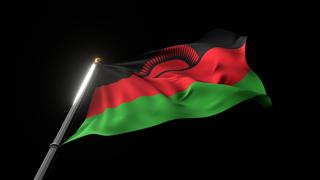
(57, 141)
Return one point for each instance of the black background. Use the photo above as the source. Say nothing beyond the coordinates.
(58, 44)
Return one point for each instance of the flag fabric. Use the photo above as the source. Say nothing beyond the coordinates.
(193, 80)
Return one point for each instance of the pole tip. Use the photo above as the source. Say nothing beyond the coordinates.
(97, 60)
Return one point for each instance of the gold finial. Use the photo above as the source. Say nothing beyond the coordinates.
(97, 60)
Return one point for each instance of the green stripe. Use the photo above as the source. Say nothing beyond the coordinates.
(199, 100)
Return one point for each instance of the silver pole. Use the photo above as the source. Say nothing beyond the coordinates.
(53, 147)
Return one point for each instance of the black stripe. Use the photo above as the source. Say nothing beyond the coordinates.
(111, 73)
(108, 74)
(222, 38)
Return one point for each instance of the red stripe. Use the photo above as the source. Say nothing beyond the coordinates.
(217, 66)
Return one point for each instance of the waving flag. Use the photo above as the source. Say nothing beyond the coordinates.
(194, 80)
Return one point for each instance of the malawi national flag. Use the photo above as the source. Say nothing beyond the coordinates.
(194, 80)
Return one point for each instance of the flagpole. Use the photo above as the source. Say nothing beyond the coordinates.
(53, 147)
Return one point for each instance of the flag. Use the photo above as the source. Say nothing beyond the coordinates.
(193, 80)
